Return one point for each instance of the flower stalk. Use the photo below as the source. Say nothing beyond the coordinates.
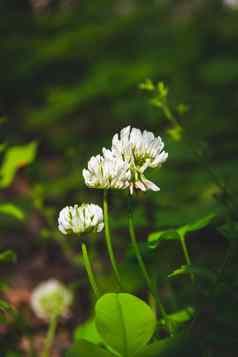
(109, 240)
(89, 270)
(186, 254)
(143, 267)
(50, 336)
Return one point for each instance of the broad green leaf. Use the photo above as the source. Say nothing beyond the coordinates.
(155, 237)
(12, 210)
(125, 322)
(8, 256)
(87, 349)
(197, 270)
(88, 332)
(16, 157)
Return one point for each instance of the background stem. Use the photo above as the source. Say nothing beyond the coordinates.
(89, 270)
(50, 337)
(186, 254)
(144, 270)
(109, 239)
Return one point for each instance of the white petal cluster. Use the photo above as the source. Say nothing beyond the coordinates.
(51, 298)
(107, 171)
(81, 219)
(141, 150)
(231, 3)
(132, 152)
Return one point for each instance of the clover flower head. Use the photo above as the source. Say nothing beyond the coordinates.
(50, 299)
(141, 150)
(231, 3)
(81, 219)
(107, 172)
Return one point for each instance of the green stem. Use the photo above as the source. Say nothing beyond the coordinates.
(109, 239)
(89, 270)
(50, 336)
(144, 270)
(186, 254)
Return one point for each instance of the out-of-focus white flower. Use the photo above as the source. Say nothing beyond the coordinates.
(81, 219)
(231, 3)
(141, 150)
(107, 171)
(50, 299)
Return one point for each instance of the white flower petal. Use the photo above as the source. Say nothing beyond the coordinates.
(80, 219)
(141, 150)
(51, 298)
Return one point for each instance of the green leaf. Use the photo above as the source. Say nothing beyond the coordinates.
(147, 85)
(88, 332)
(195, 226)
(7, 257)
(155, 237)
(87, 349)
(12, 210)
(177, 233)
(124, 322)
(197, 270)
(167, 347)
(16, 157)
(2, 147)
(4, 306)
(183, 315)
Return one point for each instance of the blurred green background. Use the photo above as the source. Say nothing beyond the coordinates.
(69, 79)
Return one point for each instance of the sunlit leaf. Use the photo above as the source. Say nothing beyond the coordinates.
(15, 158)
(88, 332)
(11, 210)
(124, 322)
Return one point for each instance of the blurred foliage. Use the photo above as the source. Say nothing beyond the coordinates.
(70, 78)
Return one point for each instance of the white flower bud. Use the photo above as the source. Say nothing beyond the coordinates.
(50, 299)
(81, 219)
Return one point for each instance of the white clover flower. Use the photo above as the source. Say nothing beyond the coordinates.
(50, 299)
(107, 171)
(81, 219)
(141, 150)
(231, 3)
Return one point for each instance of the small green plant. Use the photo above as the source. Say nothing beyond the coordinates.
(13, 158)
